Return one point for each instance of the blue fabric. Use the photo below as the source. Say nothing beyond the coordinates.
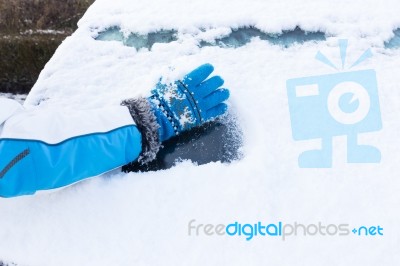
(188, 103)
(46, 166)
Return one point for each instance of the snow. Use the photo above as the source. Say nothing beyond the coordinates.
(53, 32)
(142, 218)
(18, 97)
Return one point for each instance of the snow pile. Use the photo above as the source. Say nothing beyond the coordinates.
(142, 218)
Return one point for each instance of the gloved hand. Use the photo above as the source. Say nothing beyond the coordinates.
(188, 103)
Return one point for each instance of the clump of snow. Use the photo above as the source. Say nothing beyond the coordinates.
(142, 218)
(186, 118)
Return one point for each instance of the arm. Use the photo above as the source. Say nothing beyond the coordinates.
(47, 148)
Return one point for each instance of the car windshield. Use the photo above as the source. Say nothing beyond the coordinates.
(236, 38)
(395, 41)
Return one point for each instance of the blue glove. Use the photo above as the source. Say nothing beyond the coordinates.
(188, 103)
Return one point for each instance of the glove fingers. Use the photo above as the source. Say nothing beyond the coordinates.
(215, 98)
(216, 111)
(208, 86)
(198, 75)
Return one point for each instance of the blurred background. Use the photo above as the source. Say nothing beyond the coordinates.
(30, 32)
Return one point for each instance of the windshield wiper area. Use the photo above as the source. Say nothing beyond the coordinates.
(136, 40)
(242, 36)
(237, 38)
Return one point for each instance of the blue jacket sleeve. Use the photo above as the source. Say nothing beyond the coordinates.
(44, 148)
(31, 165)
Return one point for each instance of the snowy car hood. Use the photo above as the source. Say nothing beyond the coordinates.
(143, 218)
(8, 108)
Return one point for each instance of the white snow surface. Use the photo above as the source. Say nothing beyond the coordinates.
(18, 97)
(142, 218)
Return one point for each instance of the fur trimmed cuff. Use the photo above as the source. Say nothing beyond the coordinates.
(146, 122)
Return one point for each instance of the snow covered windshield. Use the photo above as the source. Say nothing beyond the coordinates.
(236, 38)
